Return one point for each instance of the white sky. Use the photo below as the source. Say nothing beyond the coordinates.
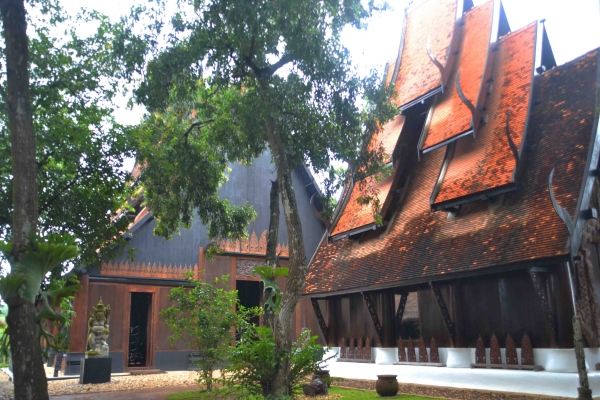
(573, 28)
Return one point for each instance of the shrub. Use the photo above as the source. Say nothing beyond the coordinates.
(203, 317)
(253, 361)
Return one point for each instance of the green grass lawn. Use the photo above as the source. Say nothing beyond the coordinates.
(351, 394)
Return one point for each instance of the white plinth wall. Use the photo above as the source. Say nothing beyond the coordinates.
(559, 378)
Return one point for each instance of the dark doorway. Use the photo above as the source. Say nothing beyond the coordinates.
(138, 329)
(249, 295)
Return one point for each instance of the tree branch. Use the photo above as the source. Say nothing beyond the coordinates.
(44, 160)
(60, 193)
(194, 125)
(271, 69)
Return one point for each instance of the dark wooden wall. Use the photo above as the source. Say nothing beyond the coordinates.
(501, 305)
(498, 304)
(348, 317)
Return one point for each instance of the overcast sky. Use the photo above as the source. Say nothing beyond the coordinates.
(573, 28)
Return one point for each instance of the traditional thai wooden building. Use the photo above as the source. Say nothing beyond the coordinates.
(471, 243)
(138, 290)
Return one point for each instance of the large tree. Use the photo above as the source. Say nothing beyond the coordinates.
(239, 76)
(61, 152)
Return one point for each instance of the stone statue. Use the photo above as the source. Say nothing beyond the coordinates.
(98, 331)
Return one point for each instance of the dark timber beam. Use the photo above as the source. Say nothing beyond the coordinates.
(322, 325)
(444, 310)
(400, 312)
(374, 317)
(540, 290)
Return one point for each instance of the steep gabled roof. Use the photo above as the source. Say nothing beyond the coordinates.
(450, 116)
(417, 74)
(487, 161)
(422, 245)
(356, 216)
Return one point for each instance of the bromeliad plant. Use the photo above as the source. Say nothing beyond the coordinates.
(29, 281)
(268, 276)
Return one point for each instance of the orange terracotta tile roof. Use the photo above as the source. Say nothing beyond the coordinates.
(487, 162)
(137, 170)
(138, 217)
(451, 116)
(388, 137)
(356, 215)
(417, 75)
(422, 245)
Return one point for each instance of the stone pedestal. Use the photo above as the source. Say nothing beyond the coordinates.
(95, 370)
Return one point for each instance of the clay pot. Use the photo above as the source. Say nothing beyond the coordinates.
(386, 385)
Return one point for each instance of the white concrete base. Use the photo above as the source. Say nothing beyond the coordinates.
(548, 382)
(458, 358)
(529, 382)
(385, 355)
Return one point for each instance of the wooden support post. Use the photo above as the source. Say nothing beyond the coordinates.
(58, 363)
(374, 317)
(322, 325)
(540, 290)
(400, 313)
(444, 310)
(584, 387)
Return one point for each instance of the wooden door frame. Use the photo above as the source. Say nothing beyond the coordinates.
(150, 327)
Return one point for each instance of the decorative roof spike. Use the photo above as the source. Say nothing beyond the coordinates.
(436, 62)
(511, 143)
(464, 99)
(566, 218)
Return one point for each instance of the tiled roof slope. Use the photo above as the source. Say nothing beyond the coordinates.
(487, 161)
(417, 75)
(356, 215)
(388, 137)
(451, 116)
(423, 245)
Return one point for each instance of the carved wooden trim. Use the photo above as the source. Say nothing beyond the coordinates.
(480, 351)
(374, 317)
(359, 348)
(511, 351)
(401, 350)
(343, 348)
(245, 268)
(434, 353)
(367, 349)
(322, 324)
(149, 270)
(400, 312)
(251, 245)
(412, 356)
(444, 310)
(526, 350)
(351, 349)
(422, 352)
(540, 290)
(495, 355)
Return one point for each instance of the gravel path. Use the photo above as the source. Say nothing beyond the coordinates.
(131, 382)
(188, 378)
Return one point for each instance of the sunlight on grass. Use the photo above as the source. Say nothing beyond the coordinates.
(350, 394)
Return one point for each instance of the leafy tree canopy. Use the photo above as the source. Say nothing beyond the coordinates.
(80, 147)
(229, 69)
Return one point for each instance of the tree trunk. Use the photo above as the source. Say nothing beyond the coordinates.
(272, 238)
(28, 368)
(29, 374)
(298, 267)
(20, 124)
